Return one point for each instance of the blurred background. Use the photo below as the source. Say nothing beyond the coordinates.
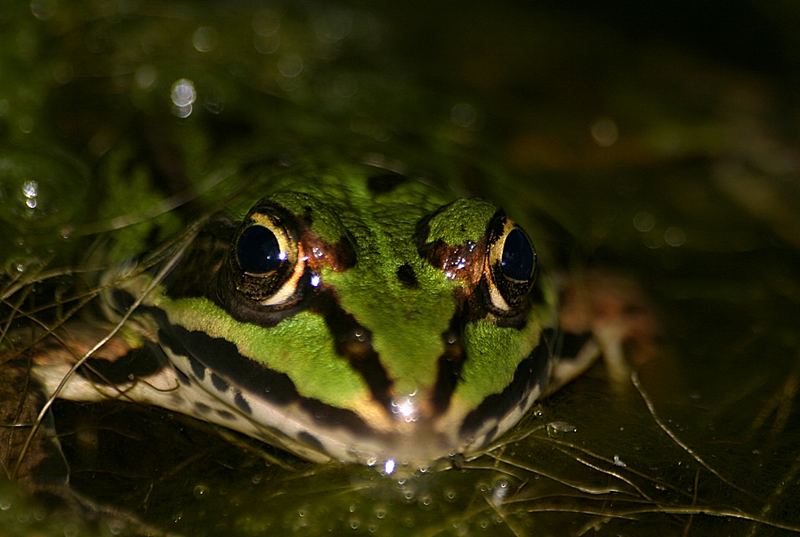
(656, 141)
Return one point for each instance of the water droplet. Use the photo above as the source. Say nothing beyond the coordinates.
(25, 124)
(43, 9)
(644, 221)
(674, 236)
(559, 427)
(604, 132)
(266, 44)
(183, 96)
(200, 491)
(145, 76)
(115, 527)
(266, 22)
(204, 39)
(291, 65)
(333, 26)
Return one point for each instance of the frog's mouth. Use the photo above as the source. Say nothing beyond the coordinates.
(224, 386)
(266, 404)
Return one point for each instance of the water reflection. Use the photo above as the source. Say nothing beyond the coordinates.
(183, 96)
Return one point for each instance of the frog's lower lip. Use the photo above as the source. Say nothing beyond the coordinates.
(265, 404)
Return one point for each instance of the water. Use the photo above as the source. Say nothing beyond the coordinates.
(671, 163)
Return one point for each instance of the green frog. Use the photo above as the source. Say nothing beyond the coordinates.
(351, 314)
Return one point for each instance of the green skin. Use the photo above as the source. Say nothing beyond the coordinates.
(386, 229)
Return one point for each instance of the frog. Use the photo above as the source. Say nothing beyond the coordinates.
(350, 313)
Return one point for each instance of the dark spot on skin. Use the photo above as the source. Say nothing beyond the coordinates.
(242, 404)
(183, 378)
(354, 342)
(226, 415)
(202, 408)
(406, 276)
(449, 365)
(122, 300)
(308, 216)
(272, 386)
(385, 182)
(570, 344)
(136, 363)
(197, 368)
(219, 383)
(311, 441)
(531, 371)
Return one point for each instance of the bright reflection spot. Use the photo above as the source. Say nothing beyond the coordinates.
(619, 462)
(406, 408)
(315, 280)
(30, 189)
(183, 95)
(500, 491)
(204, 39)
(360, 335)
(605, 132)
(283, 256)
(389, 466)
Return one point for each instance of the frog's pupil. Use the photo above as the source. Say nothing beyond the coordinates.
(258, 250)
(518, 258)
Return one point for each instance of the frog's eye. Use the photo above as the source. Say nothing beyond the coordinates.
(518, 259)
(511, 264)
(258, 251)
(265, 257)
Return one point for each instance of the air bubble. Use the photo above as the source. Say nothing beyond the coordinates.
(605, 132)
(200, 491)
(204, 39)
